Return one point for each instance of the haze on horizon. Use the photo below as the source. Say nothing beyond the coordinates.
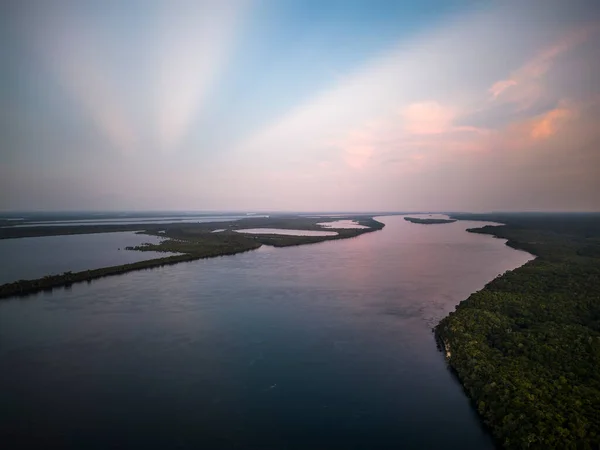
(300, 105)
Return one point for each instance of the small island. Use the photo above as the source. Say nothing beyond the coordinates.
(428, 221)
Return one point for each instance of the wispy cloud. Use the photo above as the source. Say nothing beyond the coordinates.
(548, 124)
(526, 85)
(401, 116)
(427, 118)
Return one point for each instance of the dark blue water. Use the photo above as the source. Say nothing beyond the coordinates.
(324, 346)
(35, 257)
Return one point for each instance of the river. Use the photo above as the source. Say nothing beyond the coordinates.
(324, 346)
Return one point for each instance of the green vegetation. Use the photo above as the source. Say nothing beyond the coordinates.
(191, 241)
(428, 221)
(527, 347)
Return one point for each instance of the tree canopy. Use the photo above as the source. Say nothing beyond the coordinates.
(527, 347)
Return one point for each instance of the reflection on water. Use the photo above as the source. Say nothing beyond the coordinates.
(285, 232)
(324, 346)
(35, 257)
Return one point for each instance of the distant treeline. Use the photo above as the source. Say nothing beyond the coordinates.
(527, 347)
(428, 221)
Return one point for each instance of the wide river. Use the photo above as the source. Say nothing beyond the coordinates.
(324, 346)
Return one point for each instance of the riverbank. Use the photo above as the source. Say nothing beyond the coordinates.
(188, 242)
(526, 348)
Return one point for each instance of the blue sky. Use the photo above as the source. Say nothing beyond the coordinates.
(300, 105)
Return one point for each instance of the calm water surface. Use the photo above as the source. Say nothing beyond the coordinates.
(324, 346)
(30, 258)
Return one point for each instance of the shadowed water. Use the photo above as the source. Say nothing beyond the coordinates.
(324, 346)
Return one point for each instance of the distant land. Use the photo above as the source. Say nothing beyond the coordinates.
(428, 221)
(184, 242)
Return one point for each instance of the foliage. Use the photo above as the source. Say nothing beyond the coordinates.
(527, 347)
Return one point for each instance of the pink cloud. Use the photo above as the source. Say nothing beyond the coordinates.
(541, 131)
(525, 86)
(548, 124)
(427, 137)
(398, 122)
(358, 156)
(543, 61)
(500, 86)
(428, 118)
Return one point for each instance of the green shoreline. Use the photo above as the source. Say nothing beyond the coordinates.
(526, 347)
(192, 242)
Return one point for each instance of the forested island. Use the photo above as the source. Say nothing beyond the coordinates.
(184, 242)
(428, 221)
(526, 348)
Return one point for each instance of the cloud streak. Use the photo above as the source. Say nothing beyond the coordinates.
(196, 40)
(526, 85)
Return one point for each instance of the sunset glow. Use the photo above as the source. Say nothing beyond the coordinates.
(255, 105)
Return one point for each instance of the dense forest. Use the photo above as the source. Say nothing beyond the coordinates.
(527, 347)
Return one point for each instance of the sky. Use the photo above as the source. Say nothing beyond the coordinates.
(305, 105)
